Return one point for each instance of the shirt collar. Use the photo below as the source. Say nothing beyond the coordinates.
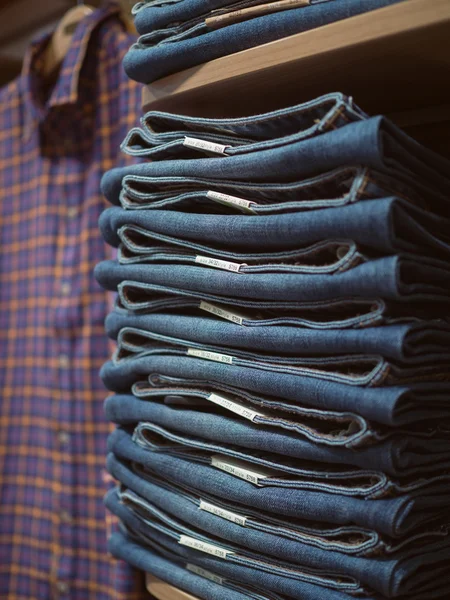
(66, 89)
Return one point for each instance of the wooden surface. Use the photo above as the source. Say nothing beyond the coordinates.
(163, 591)
(390, 60)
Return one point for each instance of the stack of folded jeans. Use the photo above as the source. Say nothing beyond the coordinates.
(178, 34)
(281, 381)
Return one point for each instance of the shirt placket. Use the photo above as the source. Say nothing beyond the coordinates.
(67, 196)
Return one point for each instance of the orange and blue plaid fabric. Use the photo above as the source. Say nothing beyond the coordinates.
(55, 144)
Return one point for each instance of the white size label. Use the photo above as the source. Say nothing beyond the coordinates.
(214, 356)
(204, 547)
(190, 142)
(221, 312)
(218, 264)
(231, 201)
(235, 406)
(204, 573)
(238, 468)
(221, 512)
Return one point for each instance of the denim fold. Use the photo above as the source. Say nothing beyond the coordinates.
(147, 64)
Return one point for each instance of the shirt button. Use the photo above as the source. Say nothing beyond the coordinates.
(62, 587)
(63, 438)
(65, 516)
(63, 361)
(65, 288)
(72, 212)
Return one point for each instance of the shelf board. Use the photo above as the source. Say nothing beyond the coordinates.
(163, 591)
(392, 59)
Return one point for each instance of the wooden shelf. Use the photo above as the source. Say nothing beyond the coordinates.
(163, 591)
(394, 59)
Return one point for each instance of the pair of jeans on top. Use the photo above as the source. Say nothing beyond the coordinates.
(165, 135)
(278, 575)
(376, 143)
(146, 62)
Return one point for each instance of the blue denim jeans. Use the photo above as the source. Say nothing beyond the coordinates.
(392, 406)
(399, 455)
(181, 574)
(389, 576)
(205, 510)
(394, 517)
(146, 63)
(272, 470)
(387, 225)
(149, 555)
(352, 369)
(397, 278)
(176, 535)
(353, 313)
(375, 143)
(141, 247)
(320, 426)
(413, 342)
(209, 195)
(165, 135)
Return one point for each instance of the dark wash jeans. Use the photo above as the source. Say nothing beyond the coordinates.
(350, 313)
(391, 577)
(399, 456)
(148, 64)
(396, 405)
(394, 517)
(164, 135)
(353, 369)
(331, 428)
(385, 225)
(409, 343)
(266, 571)
(181, 574)
(178, 570)
(350, 540)
(397, 278)
(209, 195)
(375, 142)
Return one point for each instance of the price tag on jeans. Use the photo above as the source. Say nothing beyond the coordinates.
(225, 265)
(239, 468)
(204, 573)
(221, 512)
(214, 356)
(205, 547)
(197, 144)
(238, 408)
(233, 201)
(221, 312)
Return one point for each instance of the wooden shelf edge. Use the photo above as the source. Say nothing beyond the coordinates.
(400, 19)
(163, 591)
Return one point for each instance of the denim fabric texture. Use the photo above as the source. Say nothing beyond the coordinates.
(147, 61)
(281, 377)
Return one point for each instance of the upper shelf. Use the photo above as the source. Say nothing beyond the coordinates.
(392, 59)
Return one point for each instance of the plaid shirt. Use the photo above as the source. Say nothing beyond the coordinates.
(56, 142)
